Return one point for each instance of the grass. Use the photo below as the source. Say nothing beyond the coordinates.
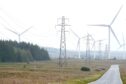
(123, 72)
(47, 72)
(85, 80)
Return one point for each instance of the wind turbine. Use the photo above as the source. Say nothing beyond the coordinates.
(18, 34)
(110, 30)
(78, 43)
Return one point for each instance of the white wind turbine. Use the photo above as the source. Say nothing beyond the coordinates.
(18, 34)
(110, 30)
(78, 43)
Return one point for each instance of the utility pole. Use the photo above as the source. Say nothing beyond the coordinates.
(62, 54)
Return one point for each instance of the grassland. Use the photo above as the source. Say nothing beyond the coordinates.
(123, 72)
(48, 72)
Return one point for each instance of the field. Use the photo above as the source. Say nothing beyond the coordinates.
(123, 72)
(48, 72)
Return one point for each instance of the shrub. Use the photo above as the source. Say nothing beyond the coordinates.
(85, 69)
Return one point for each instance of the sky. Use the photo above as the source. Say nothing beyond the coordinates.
(42, 15)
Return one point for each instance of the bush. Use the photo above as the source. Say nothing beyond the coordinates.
(85, 69)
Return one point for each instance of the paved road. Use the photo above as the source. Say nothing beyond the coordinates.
(112, 76)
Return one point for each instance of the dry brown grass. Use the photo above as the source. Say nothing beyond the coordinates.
(47, 72)
(123, 71)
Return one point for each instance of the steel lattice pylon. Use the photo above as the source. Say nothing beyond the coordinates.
(62, 54)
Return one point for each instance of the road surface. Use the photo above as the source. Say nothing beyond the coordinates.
(112, 76)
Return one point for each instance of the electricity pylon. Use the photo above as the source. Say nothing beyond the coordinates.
(62, 54)
(88, 56)
(88, 47)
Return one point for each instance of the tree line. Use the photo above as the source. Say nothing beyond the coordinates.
(12, 51)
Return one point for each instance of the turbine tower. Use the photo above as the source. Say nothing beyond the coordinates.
(110, 30)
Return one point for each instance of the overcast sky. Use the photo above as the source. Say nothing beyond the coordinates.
(19, 15)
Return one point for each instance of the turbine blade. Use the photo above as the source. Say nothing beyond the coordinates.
(104, 25)
(116, 15)
(114, 35)
(9, 29)
(26, 30)
(74, 33)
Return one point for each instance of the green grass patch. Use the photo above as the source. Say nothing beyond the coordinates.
(85, 80)
(124, 79)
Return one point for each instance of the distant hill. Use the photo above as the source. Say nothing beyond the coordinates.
(12, 51)
(54, 54)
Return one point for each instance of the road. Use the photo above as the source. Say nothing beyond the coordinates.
(112, 76)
